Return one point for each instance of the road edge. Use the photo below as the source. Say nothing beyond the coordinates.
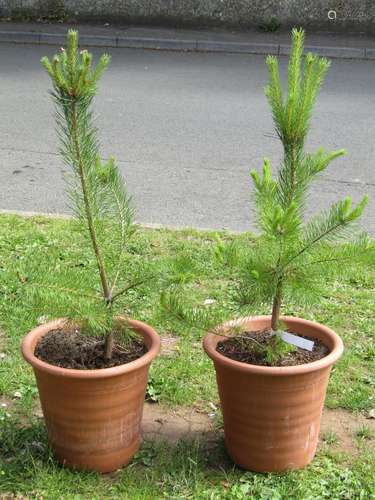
(183, 45)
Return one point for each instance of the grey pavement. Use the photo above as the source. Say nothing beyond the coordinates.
(186, 129)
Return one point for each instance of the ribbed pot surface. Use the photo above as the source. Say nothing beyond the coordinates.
(93, 417)
(272, 414)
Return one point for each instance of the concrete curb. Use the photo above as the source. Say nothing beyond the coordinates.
(26, 37)
(146, 225)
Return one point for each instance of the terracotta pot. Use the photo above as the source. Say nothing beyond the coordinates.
(272, 414)
(93, 417)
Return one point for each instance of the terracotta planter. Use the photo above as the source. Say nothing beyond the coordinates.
(272, 414)
(93, 417)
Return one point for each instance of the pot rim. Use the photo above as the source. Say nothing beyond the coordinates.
(211, 340)
(29, 342)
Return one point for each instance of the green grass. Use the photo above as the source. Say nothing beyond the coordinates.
(36, 252)
(181, 471)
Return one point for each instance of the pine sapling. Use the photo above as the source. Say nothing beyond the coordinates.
(96, 188)
(292, 257)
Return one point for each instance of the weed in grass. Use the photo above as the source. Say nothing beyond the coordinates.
(364, 432)
(330, 437)
(153, 390)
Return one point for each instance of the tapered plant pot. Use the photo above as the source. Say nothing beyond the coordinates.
(272, 414)
(93, 417)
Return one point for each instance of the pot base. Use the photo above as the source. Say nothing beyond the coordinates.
(97, 462)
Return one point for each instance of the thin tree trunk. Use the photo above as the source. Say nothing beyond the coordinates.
(292, 154)
(94, 239)
(276, 307)
(108, 345)
(99, 258)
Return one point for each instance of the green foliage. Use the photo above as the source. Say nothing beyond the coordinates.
(98, 196)
(173, 301)
(276, 350)
(270, 25)
(227, 253)
(292, 258)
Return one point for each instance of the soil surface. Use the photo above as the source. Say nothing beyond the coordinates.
(167, 424)
(71, 349)
(250, 348)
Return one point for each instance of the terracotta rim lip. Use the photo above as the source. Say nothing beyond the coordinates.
(30, 339)
(210, 342)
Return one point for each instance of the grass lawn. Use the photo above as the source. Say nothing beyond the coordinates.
(37, 251)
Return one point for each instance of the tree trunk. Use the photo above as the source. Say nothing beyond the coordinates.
(276, 307)
(90, 222)
(89, 216)
(108, 345)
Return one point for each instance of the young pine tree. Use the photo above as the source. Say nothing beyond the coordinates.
(292, 257)
(96, 188)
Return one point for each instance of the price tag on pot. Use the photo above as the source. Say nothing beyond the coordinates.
(297, 341)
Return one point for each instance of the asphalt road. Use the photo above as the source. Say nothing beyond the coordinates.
(186, 129)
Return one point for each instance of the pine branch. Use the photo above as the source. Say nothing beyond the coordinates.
(131, 286)
(173, 301)
(331, 226)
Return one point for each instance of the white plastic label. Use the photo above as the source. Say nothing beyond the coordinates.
(297, 341)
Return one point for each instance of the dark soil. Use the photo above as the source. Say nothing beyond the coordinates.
(251, 349)
(71, 349)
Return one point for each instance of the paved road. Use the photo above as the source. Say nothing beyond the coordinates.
(186, 129)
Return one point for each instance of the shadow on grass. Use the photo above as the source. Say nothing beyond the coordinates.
(23, 445)
(27, 464)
